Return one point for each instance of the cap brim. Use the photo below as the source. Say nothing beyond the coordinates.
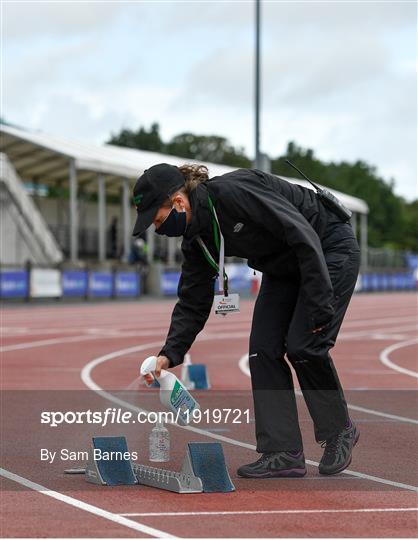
(144, 220)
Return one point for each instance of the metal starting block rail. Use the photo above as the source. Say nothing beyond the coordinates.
(179, 482)
(204, 469)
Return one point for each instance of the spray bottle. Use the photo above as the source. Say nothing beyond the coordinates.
(159, 443)
(173, 395)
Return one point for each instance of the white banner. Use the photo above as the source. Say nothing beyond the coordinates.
(45, 283)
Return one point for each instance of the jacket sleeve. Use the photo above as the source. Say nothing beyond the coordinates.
(195, 293)
(270, 210)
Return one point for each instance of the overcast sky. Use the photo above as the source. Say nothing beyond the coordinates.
(338, 77)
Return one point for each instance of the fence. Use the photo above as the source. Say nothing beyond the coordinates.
(71, 283)
(18, 283)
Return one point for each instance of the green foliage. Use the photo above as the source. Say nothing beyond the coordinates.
(387, 210)
(410, 218)
(392, 221)
(141, 139)
(197, 147)
(207, 148)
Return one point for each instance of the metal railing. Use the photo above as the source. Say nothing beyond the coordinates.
(23, 211)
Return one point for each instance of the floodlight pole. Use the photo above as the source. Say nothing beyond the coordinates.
(257, 160)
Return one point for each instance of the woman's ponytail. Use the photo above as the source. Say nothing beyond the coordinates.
(194, 175)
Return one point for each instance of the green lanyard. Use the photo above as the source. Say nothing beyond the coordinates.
(220, 246)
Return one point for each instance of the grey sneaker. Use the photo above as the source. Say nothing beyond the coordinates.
(275, 465)
(338, 450)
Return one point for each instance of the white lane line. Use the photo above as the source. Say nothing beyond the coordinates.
(12, 330)
(262, 512)
(83, 337)
(59, 331)
(45, 343)
(372, 322)
(108, 334)
(377, 333)
(105, 332)
(97, 334)
(384, 357)
(389, 337)
(243, 365)
(110, 516)
(90, 383)
(359, 371)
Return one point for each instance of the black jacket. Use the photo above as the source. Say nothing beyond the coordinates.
(280, 234)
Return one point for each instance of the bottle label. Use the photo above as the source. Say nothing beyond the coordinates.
(182, 401)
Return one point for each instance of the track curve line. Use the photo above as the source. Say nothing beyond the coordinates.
(92, 385)
(243, 365)
(384, 357)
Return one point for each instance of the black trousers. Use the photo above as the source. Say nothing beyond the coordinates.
(281, 327)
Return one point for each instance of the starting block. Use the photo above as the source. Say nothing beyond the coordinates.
(207, 462)
(115, 470)
(194, 376)
(204, 469)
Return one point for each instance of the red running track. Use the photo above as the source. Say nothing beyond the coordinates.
(53, 354)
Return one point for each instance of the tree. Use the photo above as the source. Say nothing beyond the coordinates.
(210, 148)
(392, 221)
(386, 217)
(141, 139)
(410, 229)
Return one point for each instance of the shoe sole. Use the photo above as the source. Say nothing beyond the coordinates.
(288, 473)
(346, 464)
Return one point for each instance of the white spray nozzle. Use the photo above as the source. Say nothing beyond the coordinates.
(149, 365)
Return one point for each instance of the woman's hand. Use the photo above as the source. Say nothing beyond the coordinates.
(162, 363)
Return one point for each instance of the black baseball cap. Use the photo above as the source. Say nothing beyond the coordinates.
(152, 189)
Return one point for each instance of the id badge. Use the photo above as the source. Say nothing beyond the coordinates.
(226, 304)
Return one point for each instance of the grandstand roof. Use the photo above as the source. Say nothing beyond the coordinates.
(45, 158)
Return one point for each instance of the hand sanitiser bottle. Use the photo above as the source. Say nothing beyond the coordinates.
(173, 395)
(159, 443)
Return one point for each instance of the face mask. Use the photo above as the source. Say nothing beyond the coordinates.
(174, 224)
